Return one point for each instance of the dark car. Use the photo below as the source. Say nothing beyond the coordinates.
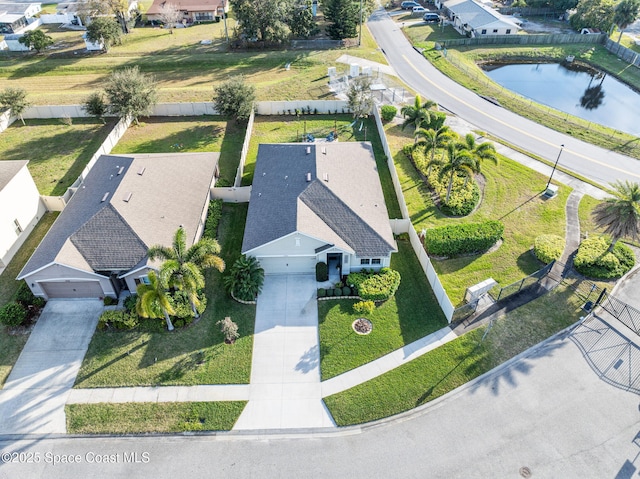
(431, 17)
(408, 5)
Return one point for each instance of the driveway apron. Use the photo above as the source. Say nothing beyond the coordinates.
(33, 398)
(285, 389)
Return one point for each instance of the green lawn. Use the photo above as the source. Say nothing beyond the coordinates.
(511, 195)
(194, 355)
(11, 344)
(285, 129)
(412, 314)
(187, 134)
(457, 362)
(423, 35)
(587, 225)
(137, 418)
(57, 153)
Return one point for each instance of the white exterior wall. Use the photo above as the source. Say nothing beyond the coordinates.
(130, 278)
(385, 261)
(19, 200)
(16, 46)
(501, 27)
(288, 255)
(61, 273)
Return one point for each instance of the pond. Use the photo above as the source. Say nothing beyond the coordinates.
(582, 92)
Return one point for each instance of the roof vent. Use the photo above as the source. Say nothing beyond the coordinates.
(127, 197)
(120, 170)
(308, 150)
(286, 177)
(324, 150)
(141, 171)
(326, 177)
(308, 177)
(104, 198)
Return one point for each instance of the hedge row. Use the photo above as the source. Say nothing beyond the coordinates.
(468, 238)
(213, 218)
(344, 291)
(595, 261)
(375, 286)
(548, 248)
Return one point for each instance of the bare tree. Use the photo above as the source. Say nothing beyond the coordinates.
(170, 14)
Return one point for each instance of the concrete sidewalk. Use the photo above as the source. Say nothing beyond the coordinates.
(285, 390)
(33, 398)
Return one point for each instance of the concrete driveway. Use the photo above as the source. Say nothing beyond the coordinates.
(33, 398)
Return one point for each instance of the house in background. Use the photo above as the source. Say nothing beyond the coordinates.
(13, 43)
(193, 11)
(475, 19)
(127, 203)
(20, 208)
(317, 202)
(16, 17)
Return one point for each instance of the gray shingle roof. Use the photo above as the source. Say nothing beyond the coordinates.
(475, 14)
(174, 190)
(9, 169)
(342, 204)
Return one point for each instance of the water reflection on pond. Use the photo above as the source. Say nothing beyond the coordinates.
(587, 94)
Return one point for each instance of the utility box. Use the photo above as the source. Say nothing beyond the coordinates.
(551, 191)
(354, 71)
(474, 292)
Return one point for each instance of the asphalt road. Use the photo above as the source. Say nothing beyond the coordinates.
(548, 412)
(598, 164)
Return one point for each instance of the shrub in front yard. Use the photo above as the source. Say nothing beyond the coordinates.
(12, 314)
(375, 286)
(471, 238)
(322, 272)
(118, 320)
(213, 218)
(245, 278)
(180, 302)
(346, 291)
(548, 248)
(322, 292)
(130, 302)
(388, 112)
(364, 307)
(595, 261)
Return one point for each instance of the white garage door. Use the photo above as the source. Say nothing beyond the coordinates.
(288, 265)
(73, 289)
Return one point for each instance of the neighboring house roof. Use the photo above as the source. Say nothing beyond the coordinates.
(342, 204)
(117, 212)
(476, 15)
(186, 5)
(15, 8)
(9, 169)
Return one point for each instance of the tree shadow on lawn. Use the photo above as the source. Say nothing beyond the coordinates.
(32, 63)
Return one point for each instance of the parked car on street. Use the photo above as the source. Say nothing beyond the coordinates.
(408, 5)
(431, 17)
(419, 9)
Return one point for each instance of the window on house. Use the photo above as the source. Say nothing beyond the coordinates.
(16, 227)
(364, 261)
(145, 279)
(508, 31)
(375, 261)
(204, 16)
(484, 31)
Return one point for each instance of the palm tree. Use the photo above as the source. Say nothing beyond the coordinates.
(153, 300)
(480, 151)
(245, 279)
(459, 161)
(619, 216)
(182, 267)
(624, 14)
(431, 140)
(419, 113)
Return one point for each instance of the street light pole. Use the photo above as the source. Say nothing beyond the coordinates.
(554, 166)
(224, 16)
(360, 34)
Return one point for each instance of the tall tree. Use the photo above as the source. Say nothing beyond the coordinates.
(235, 98)
(459, 161)
(96, 8)
(619, 215)
(344, 17)
(153, 300)
(431, 140)
(105, 31)
(131, 93)
(593, 14)
(182, 267)
(264, 20)
(95, 106)
(301, 21)
(360, 99)
(419, 114)
(16, 100)
(624, 14)
(36, 39)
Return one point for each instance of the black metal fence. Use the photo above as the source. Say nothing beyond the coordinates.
(514, 288)
(546, 39)
(626, 314)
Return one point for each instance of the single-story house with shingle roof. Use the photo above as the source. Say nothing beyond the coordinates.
(127, 203)
(477, 19)
(317, 202)
(20, 207)
(192, 10)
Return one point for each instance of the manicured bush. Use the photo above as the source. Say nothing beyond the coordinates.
(38, 302)
(465, 193)
(337, 291)
(346, 291)
(213, 219)
(375, 286)
(109, 301)
(118, 320)
(388, 112)
(329, 292)
(322, 292)
(595, 261)
(322, 272)
(468, 238)
(364, 307)
(12, 314)
(24, 295)
(229, 330)
(130, 302)
(245, 278)
(548, 248)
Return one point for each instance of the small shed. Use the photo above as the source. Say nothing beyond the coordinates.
(13, 43)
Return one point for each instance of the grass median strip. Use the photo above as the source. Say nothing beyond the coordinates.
(134, 418)
(457, 362)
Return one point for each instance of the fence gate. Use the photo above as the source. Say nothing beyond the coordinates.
(628, 315)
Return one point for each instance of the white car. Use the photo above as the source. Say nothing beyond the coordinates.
(419, 10)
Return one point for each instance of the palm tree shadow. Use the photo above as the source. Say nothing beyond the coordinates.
(537, 195)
